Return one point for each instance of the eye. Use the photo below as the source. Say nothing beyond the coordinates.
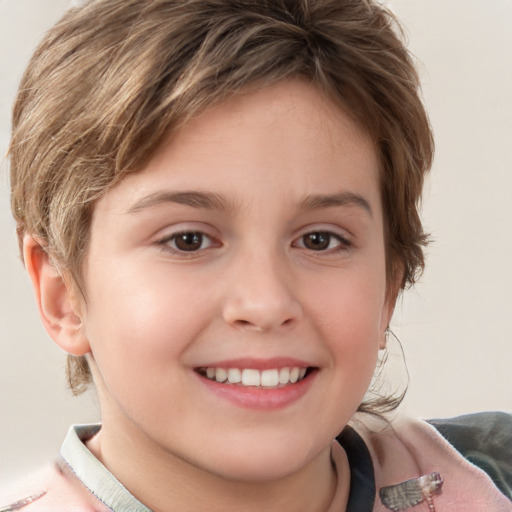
(322, 241)
(187, 241)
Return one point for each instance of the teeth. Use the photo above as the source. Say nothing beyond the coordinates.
(220, 374)
(234, 376)
(269, 378)
(249, 377)
(284, 376)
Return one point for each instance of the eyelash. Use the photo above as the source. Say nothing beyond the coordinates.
(343, 243)
(169, 242)
(166, 242)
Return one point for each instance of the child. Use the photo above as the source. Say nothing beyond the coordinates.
(217, 206)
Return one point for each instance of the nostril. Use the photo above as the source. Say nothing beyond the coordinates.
(245, 324)
(250, 326)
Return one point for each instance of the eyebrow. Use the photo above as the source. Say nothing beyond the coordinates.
(212, 201)
(206, 200)
(315, 202)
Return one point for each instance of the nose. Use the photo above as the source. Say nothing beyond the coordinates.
(260, 295)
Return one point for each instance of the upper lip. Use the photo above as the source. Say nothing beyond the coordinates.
(258, 364)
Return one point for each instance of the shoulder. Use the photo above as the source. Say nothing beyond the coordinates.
(19, 493)
(408, 448)
(48, 489)
(484, 439)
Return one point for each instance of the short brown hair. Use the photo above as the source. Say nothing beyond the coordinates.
(114, 77)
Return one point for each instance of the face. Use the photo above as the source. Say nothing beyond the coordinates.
(251, 249)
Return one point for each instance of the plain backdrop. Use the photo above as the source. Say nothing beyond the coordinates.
(455, 326)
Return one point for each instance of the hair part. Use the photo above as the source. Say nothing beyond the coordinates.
(114, 77)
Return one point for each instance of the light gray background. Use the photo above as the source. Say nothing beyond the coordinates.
(456, 326)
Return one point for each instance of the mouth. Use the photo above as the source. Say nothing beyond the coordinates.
(259, 384)
(272, 378)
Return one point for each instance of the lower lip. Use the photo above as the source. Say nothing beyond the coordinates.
(261, 398)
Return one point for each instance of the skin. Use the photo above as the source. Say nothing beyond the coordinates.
(254, 288)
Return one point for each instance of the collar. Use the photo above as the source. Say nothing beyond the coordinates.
(93, 474)
(105, 487)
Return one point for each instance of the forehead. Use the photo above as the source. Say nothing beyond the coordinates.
(288, 135)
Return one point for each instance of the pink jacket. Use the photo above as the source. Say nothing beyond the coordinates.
(408, 449)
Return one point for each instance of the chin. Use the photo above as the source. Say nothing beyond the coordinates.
(263, 461)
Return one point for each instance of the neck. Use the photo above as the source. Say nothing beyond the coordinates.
(164, 482)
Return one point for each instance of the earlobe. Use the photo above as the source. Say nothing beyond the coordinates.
(55, 299)
(386, 319)
(384, 339)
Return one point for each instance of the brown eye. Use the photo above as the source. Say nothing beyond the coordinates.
(317, 241)
(323, 241)
(190, 241)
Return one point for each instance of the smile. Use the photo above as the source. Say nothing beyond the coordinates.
(250, 377)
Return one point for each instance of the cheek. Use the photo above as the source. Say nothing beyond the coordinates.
(140, 300)
(349, 318)
(139, 323)
(352, 303)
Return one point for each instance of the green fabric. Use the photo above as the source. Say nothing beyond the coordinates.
(485, 439)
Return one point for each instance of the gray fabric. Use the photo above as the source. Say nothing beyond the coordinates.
(485, 439)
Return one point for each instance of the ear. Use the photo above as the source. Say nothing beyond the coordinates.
(57, 303)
